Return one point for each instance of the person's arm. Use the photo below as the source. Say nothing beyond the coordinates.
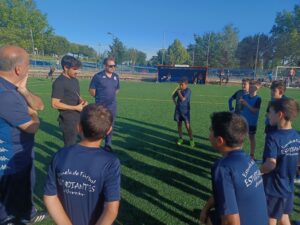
(230, 101)
(254, 109)
(111, 193)
(33, 125)
(56, 210)
(57, 104)
(109, 213)
(182, 98)
(118, 86)
(34, 101)
(268, 166)
(231, 219)
(174, 95)
(204, 212)
(92, 92)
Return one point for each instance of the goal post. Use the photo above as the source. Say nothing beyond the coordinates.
(289, 74)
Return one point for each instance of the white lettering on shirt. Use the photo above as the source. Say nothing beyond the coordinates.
(4, 167)
(251, 163)
(255, 177)
(73, 187)
(3, 158)
(3, 149)
(289, 150)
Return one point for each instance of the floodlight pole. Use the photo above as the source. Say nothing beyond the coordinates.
(194, 55)
(256, 56)
(163, 51)
(207, 53)
(32, 41)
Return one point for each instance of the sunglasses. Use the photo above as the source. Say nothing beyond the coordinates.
(111, 66)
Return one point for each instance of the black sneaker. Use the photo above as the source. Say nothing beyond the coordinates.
(38, 217)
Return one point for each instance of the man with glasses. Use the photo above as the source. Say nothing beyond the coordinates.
(104, 87)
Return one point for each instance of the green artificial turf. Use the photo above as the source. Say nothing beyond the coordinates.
(161, 183)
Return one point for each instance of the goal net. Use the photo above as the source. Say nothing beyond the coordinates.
(289, 74)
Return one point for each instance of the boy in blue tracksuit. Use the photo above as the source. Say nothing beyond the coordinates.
(251, 105)
(280, 160)
(237, 96)
(181, 98)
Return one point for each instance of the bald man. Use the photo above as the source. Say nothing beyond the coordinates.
(18, 123)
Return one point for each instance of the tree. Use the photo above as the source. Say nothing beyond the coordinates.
(286, 36)
(229, 42)
(117, 50)
(141, 58)
(23, 24)
(57, 45)
(177, 54)
(215, 49)
(247, 48)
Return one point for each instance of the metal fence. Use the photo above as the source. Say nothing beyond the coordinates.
(233, 73)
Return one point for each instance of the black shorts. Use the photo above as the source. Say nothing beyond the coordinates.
(252, 129)
(279, 206)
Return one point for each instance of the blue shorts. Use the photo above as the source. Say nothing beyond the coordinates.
(279, 206)
(180, 116)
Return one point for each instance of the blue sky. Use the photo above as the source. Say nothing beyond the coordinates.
(142, 23)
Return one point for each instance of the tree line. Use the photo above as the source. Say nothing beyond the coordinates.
(224, 49)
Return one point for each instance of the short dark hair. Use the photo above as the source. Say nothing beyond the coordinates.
(288, 106)
(184, 80)
(110, 58)
(230, 126)
(246, 80)
(95, 121)
(257, 83)
(70, 62)
(279, 85)
(8, 61)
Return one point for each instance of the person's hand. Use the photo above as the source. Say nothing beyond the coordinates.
(243, 102)
(179, 91)
(84, 103)
(203, 216)
(22, 84)
(79, 107)
(32, 112)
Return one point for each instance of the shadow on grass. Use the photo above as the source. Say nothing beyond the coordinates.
(152, 141)
(153, 197)
(156, 126)
(158, 144)
(50, 129)
(130, 214)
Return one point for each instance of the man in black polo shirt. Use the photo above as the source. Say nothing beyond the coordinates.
(66, 98)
